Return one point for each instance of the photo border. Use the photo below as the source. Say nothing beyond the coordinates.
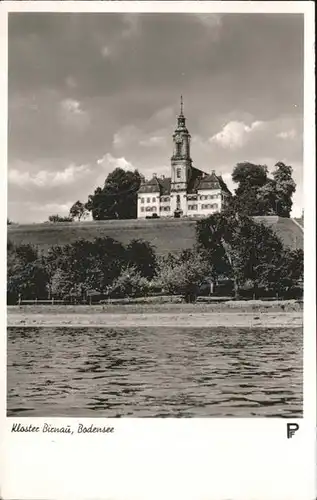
(172, 458)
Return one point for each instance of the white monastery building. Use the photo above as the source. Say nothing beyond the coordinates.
(189, 192)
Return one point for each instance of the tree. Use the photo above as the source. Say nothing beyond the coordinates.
(59, 218)
(250, 179)
(141, 255)
(291, 272)
(118, 198)
(130, 283)
(78, 211)
(26, 274)
(266, 198)
(182, 274)
(248, 251)
(258, 194)
(61, 285)
(246, 173)
(285, 187)
(87, 265)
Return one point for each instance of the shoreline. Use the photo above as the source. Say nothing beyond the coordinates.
(229, 319)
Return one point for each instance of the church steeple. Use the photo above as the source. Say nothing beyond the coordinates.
(181, 160)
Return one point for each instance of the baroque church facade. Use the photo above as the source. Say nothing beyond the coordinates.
(189, 192)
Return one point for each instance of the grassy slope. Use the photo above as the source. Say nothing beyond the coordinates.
(166, 235)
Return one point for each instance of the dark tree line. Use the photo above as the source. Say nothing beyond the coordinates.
(228, 247)
(78, 269)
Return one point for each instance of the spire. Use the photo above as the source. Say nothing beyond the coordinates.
(182, 105)
(181, 120)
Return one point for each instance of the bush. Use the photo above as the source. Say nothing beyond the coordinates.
(130, 283)
(182, 274)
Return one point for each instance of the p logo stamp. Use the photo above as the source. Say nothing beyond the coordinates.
(291, 429)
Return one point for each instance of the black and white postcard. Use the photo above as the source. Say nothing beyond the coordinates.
(158, 257)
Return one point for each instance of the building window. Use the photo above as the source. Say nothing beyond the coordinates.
(148, 200)
(142, 200)
(153, 200)
(142, 209)
(153, 209)
(178, 173)
(192, 207)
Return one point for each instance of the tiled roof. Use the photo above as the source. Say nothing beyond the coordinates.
(199, 181)
(212, 181)
(194, 180)
(223, 185)
(151, 186)
(160, 185)
(165, 184)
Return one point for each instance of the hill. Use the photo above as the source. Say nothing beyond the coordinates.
(169, 235)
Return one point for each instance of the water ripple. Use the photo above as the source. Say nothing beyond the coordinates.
(154, 372)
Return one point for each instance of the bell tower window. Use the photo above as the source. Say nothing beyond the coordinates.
(178, 173)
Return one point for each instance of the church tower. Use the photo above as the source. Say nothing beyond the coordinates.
(181, 161)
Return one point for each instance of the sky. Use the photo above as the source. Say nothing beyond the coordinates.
(91, 92)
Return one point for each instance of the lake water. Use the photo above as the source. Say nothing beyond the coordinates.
(154, 372)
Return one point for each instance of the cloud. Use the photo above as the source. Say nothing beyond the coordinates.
(70, 175)
(128, 134)
(105, 51)
(288, 134)
(44, 178)
(71, 106)
(72, 114)
(153, 141)
(50, 190)
(132, 136)
(109, 162)
(71, 82)
(236, 134)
